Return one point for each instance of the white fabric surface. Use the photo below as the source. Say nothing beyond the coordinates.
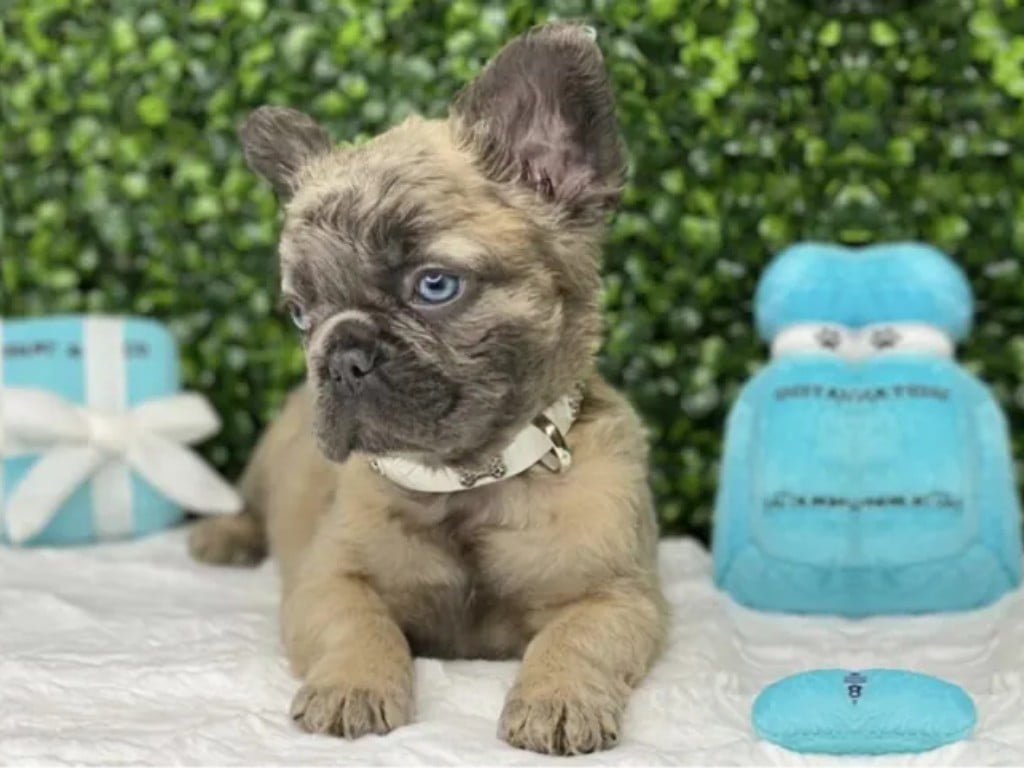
(132, 654)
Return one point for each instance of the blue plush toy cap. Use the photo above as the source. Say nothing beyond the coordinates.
(885, 283)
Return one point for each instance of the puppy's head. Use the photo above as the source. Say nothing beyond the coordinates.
(444, 275)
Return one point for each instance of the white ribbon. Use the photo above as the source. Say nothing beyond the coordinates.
(75, 442)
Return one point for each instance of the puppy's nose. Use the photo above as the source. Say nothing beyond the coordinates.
(350, 365)
(353, 353)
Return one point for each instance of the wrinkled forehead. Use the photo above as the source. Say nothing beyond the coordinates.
(370, 215)
(316, 260)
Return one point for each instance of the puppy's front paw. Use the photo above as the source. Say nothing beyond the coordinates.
(559, 723)
(349, 711)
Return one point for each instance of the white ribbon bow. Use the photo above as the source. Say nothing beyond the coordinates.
(75, 442)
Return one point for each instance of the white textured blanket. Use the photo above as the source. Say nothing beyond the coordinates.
(132, 654)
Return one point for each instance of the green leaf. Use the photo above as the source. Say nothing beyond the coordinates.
(673, 181)
(663, 10)
(153, 109)
(830, 34)
(901, 151)
(883, 33)
(123, 37)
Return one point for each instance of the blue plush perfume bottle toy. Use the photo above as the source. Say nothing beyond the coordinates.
(865, 470)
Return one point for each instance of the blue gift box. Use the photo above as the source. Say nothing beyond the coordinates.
(108, 364)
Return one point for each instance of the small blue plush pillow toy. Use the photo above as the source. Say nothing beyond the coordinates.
(865, 471)
(871, 712)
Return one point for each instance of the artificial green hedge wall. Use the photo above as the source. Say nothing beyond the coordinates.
(751, 123)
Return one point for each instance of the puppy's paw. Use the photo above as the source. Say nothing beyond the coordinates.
(559, 723)
(235, 540)
(349, 711)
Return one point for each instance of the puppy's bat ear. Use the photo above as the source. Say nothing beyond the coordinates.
(278, 141)
(542, 114)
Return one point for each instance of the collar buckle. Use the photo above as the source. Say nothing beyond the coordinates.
(559, 458)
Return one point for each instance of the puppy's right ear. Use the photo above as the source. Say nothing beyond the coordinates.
(542, 115)
(278, 141)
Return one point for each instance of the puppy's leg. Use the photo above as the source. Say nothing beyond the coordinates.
(354, 658)
(578, 672)
(238, 539)
(242, 539)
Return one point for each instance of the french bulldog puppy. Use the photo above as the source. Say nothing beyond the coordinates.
(455, 479)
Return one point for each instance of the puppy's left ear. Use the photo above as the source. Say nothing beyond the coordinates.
(278, 141)
(542, 115)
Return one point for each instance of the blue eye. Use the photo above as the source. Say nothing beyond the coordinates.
(437, 287)
(298, 316)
